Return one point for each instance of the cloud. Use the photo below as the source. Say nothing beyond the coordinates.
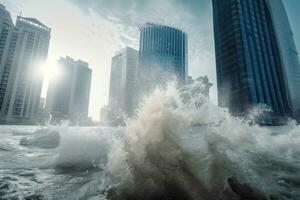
(193, 16)
(15, 6)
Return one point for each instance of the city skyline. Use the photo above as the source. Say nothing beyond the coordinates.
(91, 37)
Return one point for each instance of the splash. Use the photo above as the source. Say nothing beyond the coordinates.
(81, 149)
(43, 138)
(180, 146)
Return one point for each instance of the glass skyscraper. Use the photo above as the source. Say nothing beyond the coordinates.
(162, 55)
(288, 52)
(256, 57)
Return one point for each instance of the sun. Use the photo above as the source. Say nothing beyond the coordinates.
(49, 71)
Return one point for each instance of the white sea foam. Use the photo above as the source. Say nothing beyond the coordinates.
(190, 149)
(82, 148)
(180, 146)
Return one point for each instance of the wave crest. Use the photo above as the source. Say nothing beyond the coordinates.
(179, 149)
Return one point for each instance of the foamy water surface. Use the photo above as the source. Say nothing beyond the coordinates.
(178, 146)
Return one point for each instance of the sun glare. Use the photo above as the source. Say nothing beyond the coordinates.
(49, 71)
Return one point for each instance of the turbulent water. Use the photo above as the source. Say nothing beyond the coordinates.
(178, 146)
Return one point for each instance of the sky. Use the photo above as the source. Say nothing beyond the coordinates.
(93, 30)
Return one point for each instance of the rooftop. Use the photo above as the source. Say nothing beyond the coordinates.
(72, 61)
(152, 24)
(124, 50)
(34, 22)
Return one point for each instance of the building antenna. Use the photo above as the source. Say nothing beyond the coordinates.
(21, 13)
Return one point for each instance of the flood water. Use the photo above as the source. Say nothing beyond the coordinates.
(175, 148)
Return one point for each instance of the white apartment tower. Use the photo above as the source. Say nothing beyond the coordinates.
(21, 82)
(122, 80)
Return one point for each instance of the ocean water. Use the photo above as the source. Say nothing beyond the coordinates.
(179, 146)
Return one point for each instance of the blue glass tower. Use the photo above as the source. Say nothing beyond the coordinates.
(288, 52)
(251, 67)
(162, 55)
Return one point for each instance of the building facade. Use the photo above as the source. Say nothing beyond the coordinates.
(122, 81)
(6, 30)
(68, 94)
(250, 58)
(162, 56)
(21, 80)
(288, 52)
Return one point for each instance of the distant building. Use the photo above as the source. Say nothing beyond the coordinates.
(22, 54)
(256, 57)
(68, 94)
(162, 56)
(203, 84)
(122, 80)
(104, 112)
(195, 91)
(42, 103)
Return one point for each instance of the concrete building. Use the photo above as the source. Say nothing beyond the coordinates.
(162, 56)
(122, 81)
(21, 63)
(257, 61)
(68, 94)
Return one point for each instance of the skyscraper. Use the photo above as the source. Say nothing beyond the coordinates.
(69, 93)
(6, 30)
(256, 56)
(21, 82)
(288, 52)
(162, 55)
(122, 80)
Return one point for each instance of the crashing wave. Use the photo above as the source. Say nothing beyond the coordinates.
(167, 153)
(42, 138)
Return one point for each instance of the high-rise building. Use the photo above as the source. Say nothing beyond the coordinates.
(256, 58)
(21, 63)
(162, 56)
(69, 93)
(6, 30)
(122, 80)
(288, 52)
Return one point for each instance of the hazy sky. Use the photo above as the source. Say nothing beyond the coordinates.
(93, 30)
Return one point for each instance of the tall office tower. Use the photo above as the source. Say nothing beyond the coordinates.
(6, 30)
(256, 56)
(288, 52)
(69, 93)
(122, 80)
(162, 55)
(21, 80)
